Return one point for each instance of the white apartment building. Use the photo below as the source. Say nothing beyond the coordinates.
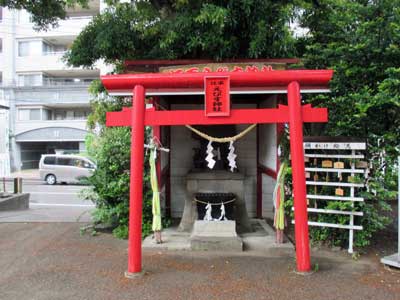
(48, 101)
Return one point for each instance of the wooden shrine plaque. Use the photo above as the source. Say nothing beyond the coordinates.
(327, 164)
(338, 165)
(217, 98)
(308, 175)
(306, 159)
(339, 192)
(362, 164)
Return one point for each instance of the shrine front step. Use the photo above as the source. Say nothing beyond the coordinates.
(215, 236)
(231, 244)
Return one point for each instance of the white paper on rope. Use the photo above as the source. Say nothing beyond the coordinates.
(210, 155)
(232, 157)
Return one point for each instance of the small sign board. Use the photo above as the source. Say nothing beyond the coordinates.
(335, 146)
(327, 164)
(217, 98)
(338, 165)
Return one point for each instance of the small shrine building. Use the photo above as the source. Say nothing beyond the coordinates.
(189, 115)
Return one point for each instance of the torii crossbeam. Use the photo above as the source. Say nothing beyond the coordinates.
(294, 114)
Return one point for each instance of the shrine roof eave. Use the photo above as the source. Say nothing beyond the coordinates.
(270, 82)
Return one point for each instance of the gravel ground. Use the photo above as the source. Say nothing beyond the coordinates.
(53, 261)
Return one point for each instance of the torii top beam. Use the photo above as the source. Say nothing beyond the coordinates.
(240, 82)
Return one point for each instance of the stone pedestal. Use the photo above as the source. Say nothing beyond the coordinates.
(215, 182)
(215, 236)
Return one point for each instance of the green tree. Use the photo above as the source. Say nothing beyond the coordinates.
(44, 13)
(186, 29)
(360, 41)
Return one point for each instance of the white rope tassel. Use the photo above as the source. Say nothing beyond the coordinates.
(222, 217)
(232, 156)
(208, 216)
(209, 158)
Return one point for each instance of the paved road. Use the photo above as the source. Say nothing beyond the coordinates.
(53, 261)
(58, 203)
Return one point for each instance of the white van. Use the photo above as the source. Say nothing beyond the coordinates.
(55, 168)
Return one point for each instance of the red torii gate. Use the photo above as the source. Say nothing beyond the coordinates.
(294, 113)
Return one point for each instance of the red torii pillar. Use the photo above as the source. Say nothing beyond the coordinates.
(294, 114)
(298, 178)
(136, 183)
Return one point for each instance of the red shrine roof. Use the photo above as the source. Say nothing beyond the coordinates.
(186, 77)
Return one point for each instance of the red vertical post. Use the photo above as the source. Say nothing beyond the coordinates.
(299, 180)
(259, 175)
(136, 183)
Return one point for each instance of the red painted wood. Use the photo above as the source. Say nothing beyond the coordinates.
(136, 182)
(298, 178)
(196, 80)
(267, 171)
(217, 96)
(168, 177)
(238, 116)
(259, 177)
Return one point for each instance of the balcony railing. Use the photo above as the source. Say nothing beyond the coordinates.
(48, 53)
(66, 81)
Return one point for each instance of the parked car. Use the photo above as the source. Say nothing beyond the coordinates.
(55, 168)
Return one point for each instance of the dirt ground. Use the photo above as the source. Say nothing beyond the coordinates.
(53, 261)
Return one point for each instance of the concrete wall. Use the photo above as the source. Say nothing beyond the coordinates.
(268, 157)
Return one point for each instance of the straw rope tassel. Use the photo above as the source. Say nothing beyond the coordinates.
(156, 207)
(279, 198)
(224, 139)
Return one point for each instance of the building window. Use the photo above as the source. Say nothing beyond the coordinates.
(47, 48)
(46, 114)
(29, 79)
(23, 48)
(1, 14)
(81, 114)
(1, 77)
(1, 45)
(29, 114)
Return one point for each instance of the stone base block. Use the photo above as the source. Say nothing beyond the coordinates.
(214, 229)
(14, 202)
(231, 244)
(215, 236)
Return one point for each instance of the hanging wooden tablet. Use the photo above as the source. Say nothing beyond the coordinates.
(327, 164)
(315, 162)
(306, 159)
(308, 175)
(339, 192)
(338, 165)
(362, 164)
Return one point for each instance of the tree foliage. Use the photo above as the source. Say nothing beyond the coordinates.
(44, 13)
(186, 29)
(360, 41)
